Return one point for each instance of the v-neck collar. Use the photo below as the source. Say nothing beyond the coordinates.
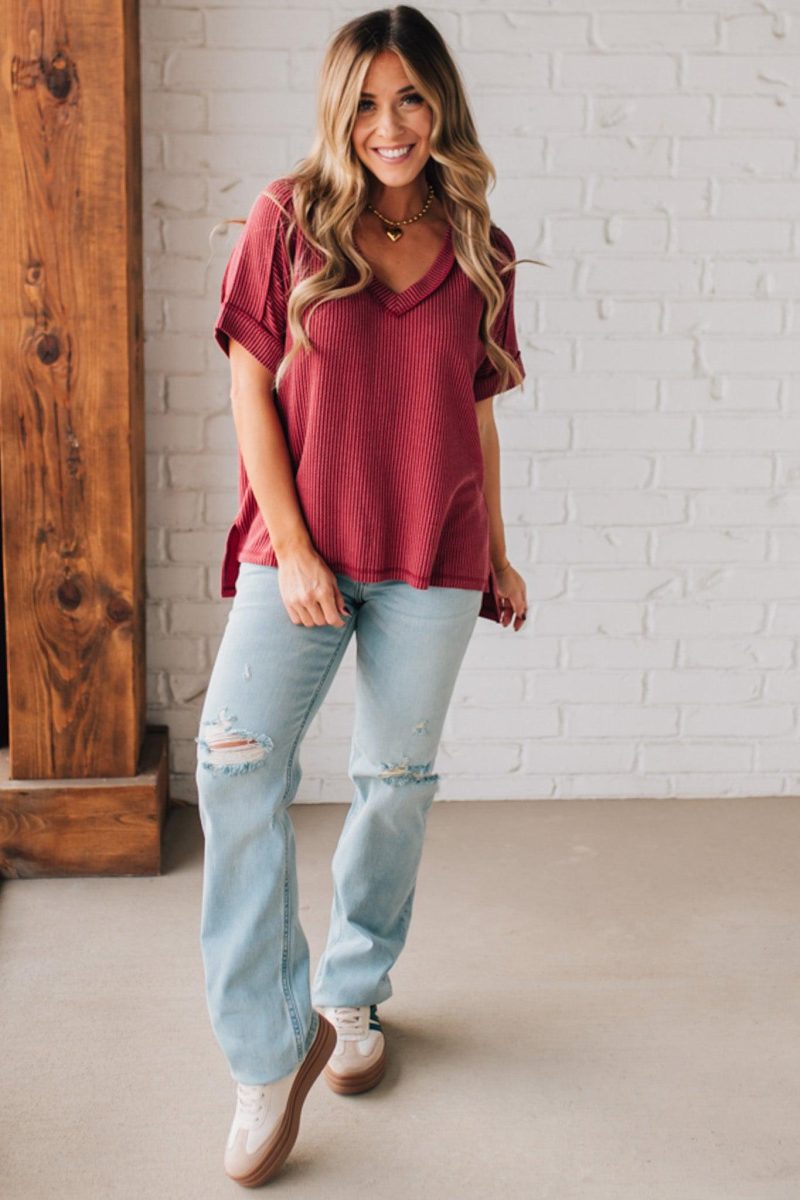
(400, 302)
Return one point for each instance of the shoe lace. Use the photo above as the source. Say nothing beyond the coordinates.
(250, 1098)
(350, 1019)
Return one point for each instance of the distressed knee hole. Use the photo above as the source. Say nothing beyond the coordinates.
(231, 751)
(406, 772)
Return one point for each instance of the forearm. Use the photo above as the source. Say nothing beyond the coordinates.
(269, 468)
(490, 446)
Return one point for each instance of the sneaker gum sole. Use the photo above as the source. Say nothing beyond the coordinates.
(349, 1084)
(283, 1139)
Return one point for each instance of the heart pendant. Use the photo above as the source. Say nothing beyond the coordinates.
(393, 233)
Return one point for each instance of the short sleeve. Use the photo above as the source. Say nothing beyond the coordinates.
(487, 378)
(255, 284)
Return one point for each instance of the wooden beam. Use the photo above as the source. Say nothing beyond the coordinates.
(72, 419)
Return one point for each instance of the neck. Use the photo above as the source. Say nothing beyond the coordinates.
(399, 203)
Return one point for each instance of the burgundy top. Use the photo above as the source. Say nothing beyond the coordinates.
(379, 417)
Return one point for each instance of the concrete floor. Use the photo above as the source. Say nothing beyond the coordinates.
(598, 1000)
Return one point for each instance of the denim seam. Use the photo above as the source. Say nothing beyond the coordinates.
(289, 996)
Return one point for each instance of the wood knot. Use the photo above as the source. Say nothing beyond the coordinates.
(119, 610)
(69, 594)
(48, 348)
(58, 77)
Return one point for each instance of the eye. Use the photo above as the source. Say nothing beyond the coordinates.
(414, 97)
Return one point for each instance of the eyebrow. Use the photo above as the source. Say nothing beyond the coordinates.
(409, 88)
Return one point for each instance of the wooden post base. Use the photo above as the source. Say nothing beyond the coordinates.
(108, 826)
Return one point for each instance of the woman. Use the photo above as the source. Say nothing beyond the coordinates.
(356, 310)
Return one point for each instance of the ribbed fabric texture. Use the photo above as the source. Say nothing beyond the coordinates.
(380, 416)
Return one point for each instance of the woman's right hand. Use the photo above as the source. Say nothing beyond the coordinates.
(309, 589)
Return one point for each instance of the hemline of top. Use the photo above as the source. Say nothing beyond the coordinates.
(375, 576)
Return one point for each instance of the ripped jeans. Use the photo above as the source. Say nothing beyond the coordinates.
(269, 679)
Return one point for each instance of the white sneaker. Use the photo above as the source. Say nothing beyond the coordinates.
(267, 1117)
(358, 1062)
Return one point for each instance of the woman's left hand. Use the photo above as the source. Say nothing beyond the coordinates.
(513, 596)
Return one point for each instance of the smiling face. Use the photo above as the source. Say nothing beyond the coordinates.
(392, 127)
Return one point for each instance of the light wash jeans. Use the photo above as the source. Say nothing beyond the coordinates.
(269, 679)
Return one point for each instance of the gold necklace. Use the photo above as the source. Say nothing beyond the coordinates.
(393, 229)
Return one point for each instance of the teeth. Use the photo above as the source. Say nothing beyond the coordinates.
(394, 153)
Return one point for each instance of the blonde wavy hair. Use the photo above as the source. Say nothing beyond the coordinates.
(330, 185)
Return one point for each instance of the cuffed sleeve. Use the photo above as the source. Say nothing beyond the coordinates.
(255, 284)
(487, 378)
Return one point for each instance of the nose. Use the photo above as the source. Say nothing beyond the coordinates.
(388, 125)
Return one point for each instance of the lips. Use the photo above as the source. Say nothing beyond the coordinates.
(389, 153)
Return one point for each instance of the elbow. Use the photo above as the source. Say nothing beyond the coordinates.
(487, 430)
(484, 411)
(243, 397)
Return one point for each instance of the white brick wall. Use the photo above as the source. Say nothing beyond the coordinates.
(648, 150)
